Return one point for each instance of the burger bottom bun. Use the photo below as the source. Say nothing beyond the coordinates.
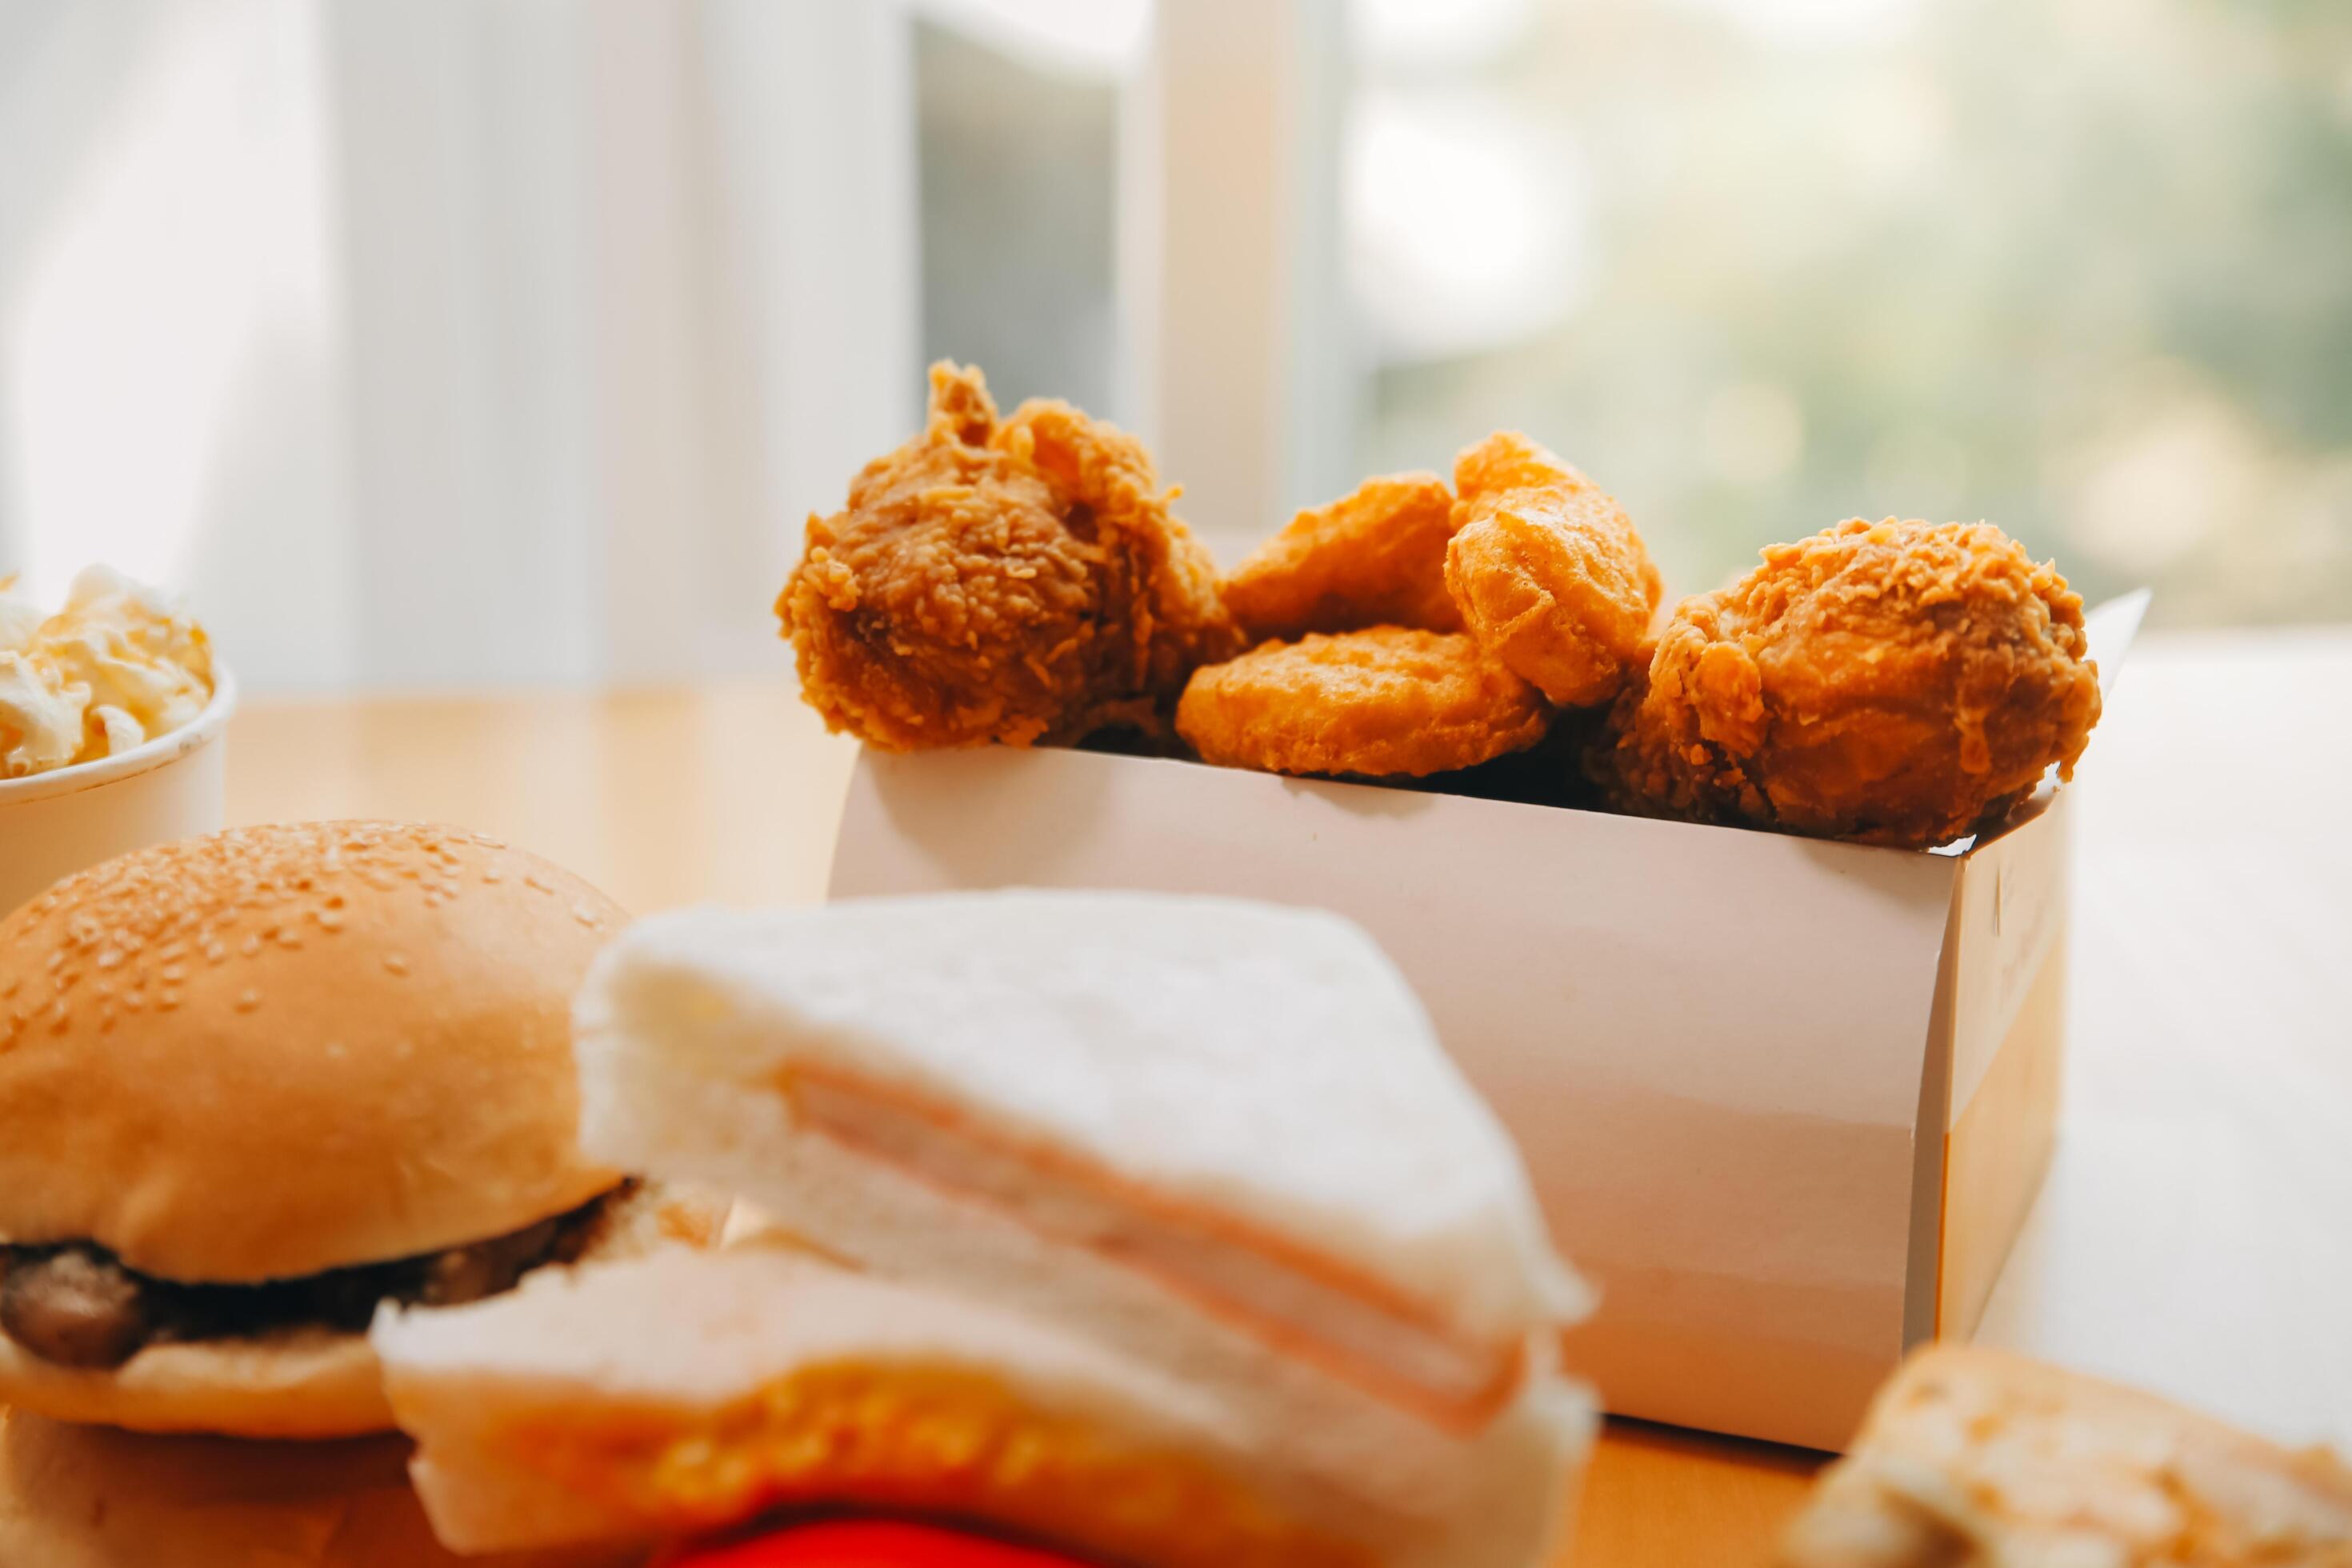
(305, 1383)
(297, 1383)
(88, 1497)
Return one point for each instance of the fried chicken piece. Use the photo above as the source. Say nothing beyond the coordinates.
(1971, 1457)
(1388, 700)
(1548, 570)
(1895, 682)
(1011, 581)
(1375, 557)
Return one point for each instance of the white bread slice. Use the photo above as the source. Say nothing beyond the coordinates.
(1073, 1104)
(1973, 1459)
(687, 1392)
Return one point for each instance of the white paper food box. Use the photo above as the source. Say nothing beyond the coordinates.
(1788, 1101)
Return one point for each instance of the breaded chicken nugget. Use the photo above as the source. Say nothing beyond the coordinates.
(1895, 682)
(1548, 570)
(1006, 581)
(1387, 700)
(1375, 557)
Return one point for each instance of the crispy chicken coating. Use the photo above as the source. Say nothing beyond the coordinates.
(1548, 570)
(1374, 557)
(1388, 700)
(1974, 1459)
(1015, 580)
(1895, 682)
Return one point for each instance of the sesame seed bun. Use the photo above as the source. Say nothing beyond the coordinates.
(272, 1052)
(297, 1382)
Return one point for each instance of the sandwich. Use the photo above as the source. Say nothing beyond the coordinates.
(255, 1083)
(1218, 1139)
(689, 1393)
(1973, 1457)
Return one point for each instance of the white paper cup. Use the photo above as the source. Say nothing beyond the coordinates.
(54, 824)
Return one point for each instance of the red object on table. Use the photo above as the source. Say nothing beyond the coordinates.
(866, 1544)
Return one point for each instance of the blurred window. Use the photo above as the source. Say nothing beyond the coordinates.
(1018, 170)
(2081, 269)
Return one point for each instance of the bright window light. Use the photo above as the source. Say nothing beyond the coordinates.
(1816, 22)
(1093, 36)
(1438, 34)
(1463, 222)
(184, 235)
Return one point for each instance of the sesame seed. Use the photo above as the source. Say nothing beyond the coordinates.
(139, 924)
(247, 1000)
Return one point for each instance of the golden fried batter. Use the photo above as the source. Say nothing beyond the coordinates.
(1548, 570)
(1895, 682)
(1012, 582)
(1374, 557)
(1386, 701)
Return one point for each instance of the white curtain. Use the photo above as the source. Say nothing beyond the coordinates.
(436, 341)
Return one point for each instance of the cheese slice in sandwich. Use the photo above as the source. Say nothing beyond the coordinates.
(699, 1391)
(1972, 1458)
(1219, 1136)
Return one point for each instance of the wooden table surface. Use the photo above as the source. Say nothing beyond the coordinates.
(731, 792)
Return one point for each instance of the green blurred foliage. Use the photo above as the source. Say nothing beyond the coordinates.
(2080, 266)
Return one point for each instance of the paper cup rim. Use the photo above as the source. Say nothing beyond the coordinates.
(161, 751)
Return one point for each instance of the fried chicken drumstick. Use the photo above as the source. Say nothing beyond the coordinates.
(1017, 580)
(1895, 682)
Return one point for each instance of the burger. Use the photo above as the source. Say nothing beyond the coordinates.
(253, 1085)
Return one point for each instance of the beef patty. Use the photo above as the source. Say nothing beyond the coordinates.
(75, 1304)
